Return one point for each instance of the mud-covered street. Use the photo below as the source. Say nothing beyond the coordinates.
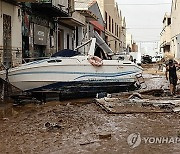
(81, 126)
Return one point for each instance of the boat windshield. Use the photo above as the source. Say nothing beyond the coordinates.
(66, 53)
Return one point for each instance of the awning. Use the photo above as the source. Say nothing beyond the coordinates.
(71, 21)
(97, 25)
(49, 9)
(102, 44)
(88, 14)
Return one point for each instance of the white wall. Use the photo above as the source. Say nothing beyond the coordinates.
(175, 46)
(70, 32)
(175, 28)
(166, 35)
(16, 33)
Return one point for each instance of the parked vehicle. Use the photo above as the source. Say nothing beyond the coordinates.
(156, 58)
(146, 59)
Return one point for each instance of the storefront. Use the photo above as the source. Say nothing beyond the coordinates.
(38, 37)
(40, 40)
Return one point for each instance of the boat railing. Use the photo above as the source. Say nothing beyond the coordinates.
(26, 60)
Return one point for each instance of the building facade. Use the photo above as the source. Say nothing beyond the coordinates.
(67, 28)
(42, 33)
(93, 22)
(115, 26)
(175, 29)
(165, 38)
(10, 33)
(129, 41)
(123, 35)
(99, 24)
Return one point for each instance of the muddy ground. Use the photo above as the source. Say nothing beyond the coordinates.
(81, 126)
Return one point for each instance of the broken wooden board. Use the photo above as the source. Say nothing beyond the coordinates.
(119, 106)
(126, 107)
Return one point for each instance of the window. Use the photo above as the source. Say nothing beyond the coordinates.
(119, 31)
(55, 61)
(112, 26)
(106, 39)
(115, 29)
(106, 19)
(175, 4)
(77, 36)
(169, 21)
(109, 23)
(67, 41)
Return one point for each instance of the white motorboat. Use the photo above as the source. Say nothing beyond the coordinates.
(80, 73)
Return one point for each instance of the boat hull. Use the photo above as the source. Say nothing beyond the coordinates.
(82, 89)
(82, 86)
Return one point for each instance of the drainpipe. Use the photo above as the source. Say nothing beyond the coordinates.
(57, 28)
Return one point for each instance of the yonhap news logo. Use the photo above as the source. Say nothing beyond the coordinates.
(135, 139)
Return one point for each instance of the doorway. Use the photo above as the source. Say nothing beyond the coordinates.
(7, 41)
(61, 40)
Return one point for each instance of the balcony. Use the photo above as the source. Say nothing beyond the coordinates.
(31, 1)
(17, 1)
(76, 20)
(54, 8)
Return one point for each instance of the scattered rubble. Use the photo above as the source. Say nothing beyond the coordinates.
(143, 102)
(105, 136)
(50, 126)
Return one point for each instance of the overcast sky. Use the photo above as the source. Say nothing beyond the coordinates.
(140, 17)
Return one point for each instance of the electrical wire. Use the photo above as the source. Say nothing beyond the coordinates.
(144, 28)
(150, 41)
(130, 4)
(145, 4)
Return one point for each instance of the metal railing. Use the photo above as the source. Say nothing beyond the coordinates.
(63, 4)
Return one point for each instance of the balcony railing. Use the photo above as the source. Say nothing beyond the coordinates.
(32, 1)
(54, 8)
(16, 1)
(63, 4)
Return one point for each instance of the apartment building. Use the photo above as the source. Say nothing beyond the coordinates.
(10, 33)
(129, 41)
(43, 32)
(115, 25)
(175, 29)
(165, 34)
(93, 22)
(123, 35)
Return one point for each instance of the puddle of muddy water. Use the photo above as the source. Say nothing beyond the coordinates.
(8, 110)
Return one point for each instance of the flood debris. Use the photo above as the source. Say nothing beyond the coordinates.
(105, 136)
(148, 101)
(153, 92)
(103, 94)
(51, 126)
(135, 96)
(176, 109)
(89, 142)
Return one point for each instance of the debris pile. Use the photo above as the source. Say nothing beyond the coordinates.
(150, 101)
